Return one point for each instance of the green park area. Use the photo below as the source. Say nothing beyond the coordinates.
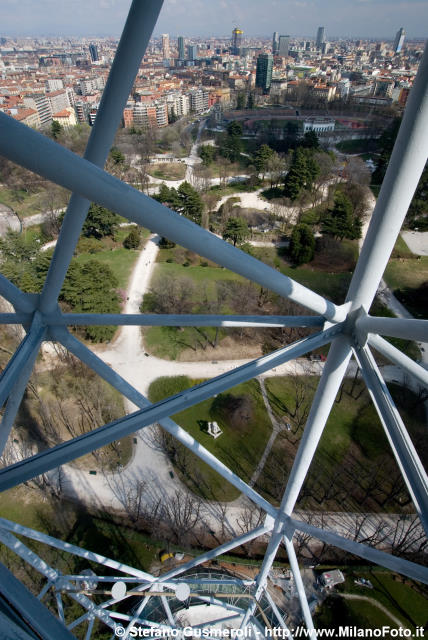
(240, 413)
(353, 469)
(394, 601)
(167, 170)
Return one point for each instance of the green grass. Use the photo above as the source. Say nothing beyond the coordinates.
(397, 594)
(240, 446)
(353, 437)
(120, 260)
(405, 276)
(23, 203)
(356, 146)
(168, 170)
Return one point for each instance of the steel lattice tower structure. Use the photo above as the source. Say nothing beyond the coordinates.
(350, 330)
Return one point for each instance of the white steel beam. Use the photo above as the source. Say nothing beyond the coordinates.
(405, 167)
(401, 444)
(180, 320)
(136, 34)
(288, 540)
(399, 358)
(76, 447)
(395, 327)
(381, 558)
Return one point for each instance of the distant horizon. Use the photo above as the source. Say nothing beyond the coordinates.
(342, 19)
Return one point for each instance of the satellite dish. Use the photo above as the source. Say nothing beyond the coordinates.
(182, 591)
(118, 590)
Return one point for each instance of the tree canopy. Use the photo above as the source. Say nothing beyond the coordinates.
(236, 229)
(100, 222)
(340, 221)
(302, 244)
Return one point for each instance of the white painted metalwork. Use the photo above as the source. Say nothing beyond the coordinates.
(347, 327)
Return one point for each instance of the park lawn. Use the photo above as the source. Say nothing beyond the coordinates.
(404, 276)
(23, 203)
(169, 342)
(353, 435)
(333, 286)
(401, 596)
(77, 525)
(239, 447)
(120, 260)
(167, 170)
(357, 146)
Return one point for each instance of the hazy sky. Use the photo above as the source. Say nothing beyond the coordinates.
(370, 18)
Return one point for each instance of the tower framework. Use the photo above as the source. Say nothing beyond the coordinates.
(348, 328)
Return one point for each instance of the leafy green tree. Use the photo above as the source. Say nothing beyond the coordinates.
(303, 172)
(133, 239)
(117, 156)
(100, 222)
(56, 129)
(234, 129)
(262, 157)
(240, 102)
(236, 229)
(310, 140)
(302, 244)
(207, 154)
(90, 287)
(339, 221)
(191, 205)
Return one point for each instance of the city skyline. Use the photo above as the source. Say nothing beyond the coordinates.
(300, 18)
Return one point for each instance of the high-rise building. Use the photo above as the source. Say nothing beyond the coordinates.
(264, 71)
(399, 39)
(165, 46)
(180, 46)
(93, 51)
(192, 51)
(284, 43)
(236, 40)
(275, 43)
(320, 37)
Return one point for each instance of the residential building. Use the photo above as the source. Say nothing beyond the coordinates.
(53, 84)
(199, 100)
(58, 100)
(41, 104)
(66, 117)
(264, 71)
(165, 46)
(30, 117)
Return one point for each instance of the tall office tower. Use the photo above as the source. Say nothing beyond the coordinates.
(320, 37)
(180, 45)
(284, 42)
(192, 51)
(165, 46)
(399, 39)
(275, 43)
(236, 40)
(264, 71)
(93, 50)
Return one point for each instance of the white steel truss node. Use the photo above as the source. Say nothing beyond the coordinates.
(348, 328)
